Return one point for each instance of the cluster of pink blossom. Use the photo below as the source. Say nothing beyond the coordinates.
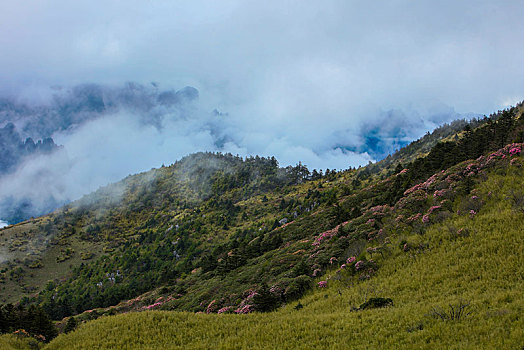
(414, 218)
(152, 306)
(245, 309)
(351, 260)
(422, 186)
(433, 208)
(472, 213)
(211, 307)
(332, 260)
(471, 169)
(343, 266)
(322, 284)
(251, 294)
(425, 219)
(371, 222)
(440, 193)
(224, 309)
(414, 188)
(359, 265)
(403, 171)
(328, 234)
(514, 150)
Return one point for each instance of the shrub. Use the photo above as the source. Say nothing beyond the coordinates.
(297, 287)
(374, 303)
(70, 325)
(454, 312)
(264, 300)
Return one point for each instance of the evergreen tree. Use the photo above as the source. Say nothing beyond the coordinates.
(70, 325)
(264, 300)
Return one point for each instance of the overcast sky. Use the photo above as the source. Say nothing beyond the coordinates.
(276, 58)
(297, 78)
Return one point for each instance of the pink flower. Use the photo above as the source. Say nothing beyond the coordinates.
(322, 284)
(425, 219)
(433, 208)
(514, 151)
(351, 260)
(359, 265)
(472, 213)
(343, 266)
(244, 309)
(224, 309)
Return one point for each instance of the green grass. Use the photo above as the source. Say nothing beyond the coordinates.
(12, 342)
(484, 269)
(34, 247)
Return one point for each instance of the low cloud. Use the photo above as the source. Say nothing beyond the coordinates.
(107, 147)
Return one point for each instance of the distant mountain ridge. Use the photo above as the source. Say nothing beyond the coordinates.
(70, 108)
(14, 150)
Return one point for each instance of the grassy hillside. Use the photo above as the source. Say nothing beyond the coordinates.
(481, 267)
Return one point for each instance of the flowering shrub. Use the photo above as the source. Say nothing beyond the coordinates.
(244, 309)
(328, 234)
(433, 208)
(152, 306)
(223, 310)
(351, 260)
(211, 307)
(414, 218)
(441, 193)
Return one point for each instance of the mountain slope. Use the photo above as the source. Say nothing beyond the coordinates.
(482, 269)
(220, 234)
